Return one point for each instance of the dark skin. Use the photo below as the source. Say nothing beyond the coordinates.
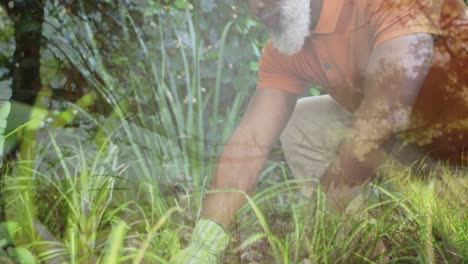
(394, 75)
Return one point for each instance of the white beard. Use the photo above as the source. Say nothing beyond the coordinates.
(294, 26)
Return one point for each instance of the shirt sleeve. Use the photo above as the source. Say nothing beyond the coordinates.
(277, 71)
(394, 18)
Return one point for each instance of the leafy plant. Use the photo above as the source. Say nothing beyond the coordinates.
(125, 185)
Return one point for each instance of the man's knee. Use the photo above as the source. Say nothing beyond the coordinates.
(299, 122)
(311, 120)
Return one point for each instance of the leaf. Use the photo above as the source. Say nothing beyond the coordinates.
(114, 248)
(182, 4)
(22, 255)
(254, 66)
(3, 242)
(148, 12)
(7, 231)
(315, 90)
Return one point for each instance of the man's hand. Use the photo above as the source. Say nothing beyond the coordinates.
(208, 241)
(346, 176)
(245, 152)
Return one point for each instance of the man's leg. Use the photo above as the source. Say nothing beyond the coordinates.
(310, 141)
(312, 136)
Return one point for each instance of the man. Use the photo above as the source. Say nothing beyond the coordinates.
(396, 72)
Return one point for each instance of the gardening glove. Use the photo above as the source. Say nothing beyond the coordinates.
(208, 241)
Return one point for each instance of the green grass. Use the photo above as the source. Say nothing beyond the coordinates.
(128, 188)
(124, 178)
(407, 221)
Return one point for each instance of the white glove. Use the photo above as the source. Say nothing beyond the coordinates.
(208, 241)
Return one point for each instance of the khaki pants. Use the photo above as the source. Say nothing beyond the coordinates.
(312, 136)
(310, 142)
(314, 133)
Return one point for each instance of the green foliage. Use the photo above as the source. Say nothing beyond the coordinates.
(22, 255)
(162, 129)
(125, 184)
(155, 6)
(6, 46)
(7, 231)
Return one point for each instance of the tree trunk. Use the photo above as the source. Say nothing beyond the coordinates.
(27, 16)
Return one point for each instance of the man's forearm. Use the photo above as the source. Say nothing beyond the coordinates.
(236, 173)
(391, 87)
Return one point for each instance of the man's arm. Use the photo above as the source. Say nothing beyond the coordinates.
(246, 151)
(395, 73)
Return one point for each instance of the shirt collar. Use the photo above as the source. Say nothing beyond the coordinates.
(329, 16)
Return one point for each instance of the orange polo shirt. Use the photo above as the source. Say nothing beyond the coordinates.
(336, 53)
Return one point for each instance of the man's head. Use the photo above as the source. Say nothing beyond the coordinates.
(288, 22)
